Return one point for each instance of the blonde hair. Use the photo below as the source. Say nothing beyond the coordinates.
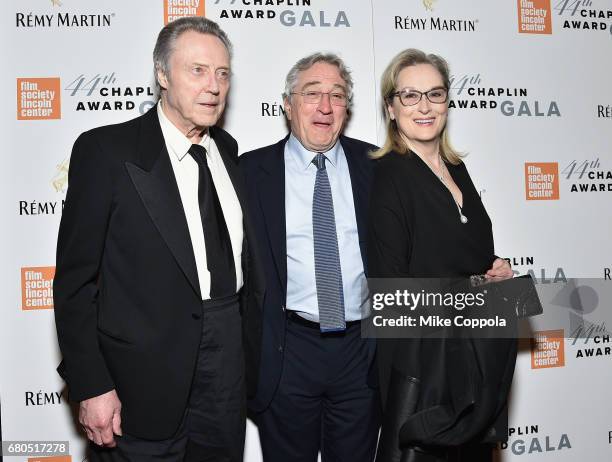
(394, 140)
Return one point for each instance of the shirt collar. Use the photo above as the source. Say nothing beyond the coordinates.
(178, 144)
(304, 156)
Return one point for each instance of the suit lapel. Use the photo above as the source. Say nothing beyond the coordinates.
(229, 160)
(359, 170)
(155, 182)
(252, 272)
(271, 187)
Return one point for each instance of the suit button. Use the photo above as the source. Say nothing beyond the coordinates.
(280, 348)
(196, 315)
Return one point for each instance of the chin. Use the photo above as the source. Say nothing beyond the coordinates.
(322, 147)
(208, 121)
(428, 136)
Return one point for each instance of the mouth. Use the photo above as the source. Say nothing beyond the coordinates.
(324, 125)
(425, 122)
(209, 105)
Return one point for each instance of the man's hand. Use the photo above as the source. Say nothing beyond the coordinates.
(500, 270)
(100, 417)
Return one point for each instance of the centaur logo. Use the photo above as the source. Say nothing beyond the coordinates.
(60, 179)
(412, 22)
(429, 4)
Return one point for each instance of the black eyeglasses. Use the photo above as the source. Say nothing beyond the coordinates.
(412, 97)
(314, 97)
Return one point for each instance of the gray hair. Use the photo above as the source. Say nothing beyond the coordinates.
(309, 61)
(170, 33)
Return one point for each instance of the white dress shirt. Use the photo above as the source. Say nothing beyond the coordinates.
(186, 171)
(300, 175)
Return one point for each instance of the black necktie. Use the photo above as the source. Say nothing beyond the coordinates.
(219, 256)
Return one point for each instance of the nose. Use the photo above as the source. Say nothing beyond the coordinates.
(213, 84)
(424, 106)
(325, 104)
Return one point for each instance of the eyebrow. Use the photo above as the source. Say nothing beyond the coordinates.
(316, 82)
(195, 63)
(440, 87)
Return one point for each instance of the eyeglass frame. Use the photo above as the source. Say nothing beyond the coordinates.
(321, 93)
(426, 93)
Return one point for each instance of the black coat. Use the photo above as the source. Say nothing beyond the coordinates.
(436, 392)
(127, 299)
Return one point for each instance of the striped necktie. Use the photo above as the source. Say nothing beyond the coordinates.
(328, 273)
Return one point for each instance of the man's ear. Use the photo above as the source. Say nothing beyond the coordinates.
(162, 79)
(287, 107)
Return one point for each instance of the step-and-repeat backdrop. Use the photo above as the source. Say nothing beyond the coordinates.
(531, 105)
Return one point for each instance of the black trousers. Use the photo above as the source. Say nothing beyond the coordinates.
(465, 453)
(323, 402)
(213, 426)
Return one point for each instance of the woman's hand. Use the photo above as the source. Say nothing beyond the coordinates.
(500, 270)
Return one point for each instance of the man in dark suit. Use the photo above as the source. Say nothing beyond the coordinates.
(308, 194)
(153, 269)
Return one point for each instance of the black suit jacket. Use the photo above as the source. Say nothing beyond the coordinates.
(128, 306)
(264, 171)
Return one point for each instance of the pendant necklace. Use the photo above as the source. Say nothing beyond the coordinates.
(462, 218)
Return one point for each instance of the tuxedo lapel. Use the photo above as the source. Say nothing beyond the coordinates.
(155, 182)
(229, 160)
(271, 187)
(248, 250)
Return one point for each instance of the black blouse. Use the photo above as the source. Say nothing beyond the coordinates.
(415, 230)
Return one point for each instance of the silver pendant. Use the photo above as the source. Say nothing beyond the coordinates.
(463, 219)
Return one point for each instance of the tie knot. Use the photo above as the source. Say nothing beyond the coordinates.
(198, 153)
(319, 161)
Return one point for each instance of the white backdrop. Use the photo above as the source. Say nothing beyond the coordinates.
(545, 100)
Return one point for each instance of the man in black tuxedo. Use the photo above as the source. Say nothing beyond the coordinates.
(308, 194)
(154, 269)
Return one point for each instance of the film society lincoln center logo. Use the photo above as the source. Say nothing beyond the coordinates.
(38, 98)
(541, 181)
(548, 349)
(37, 288)
(534, 17)
(175, 9)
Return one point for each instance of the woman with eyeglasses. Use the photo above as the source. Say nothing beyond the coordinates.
(444, 399)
